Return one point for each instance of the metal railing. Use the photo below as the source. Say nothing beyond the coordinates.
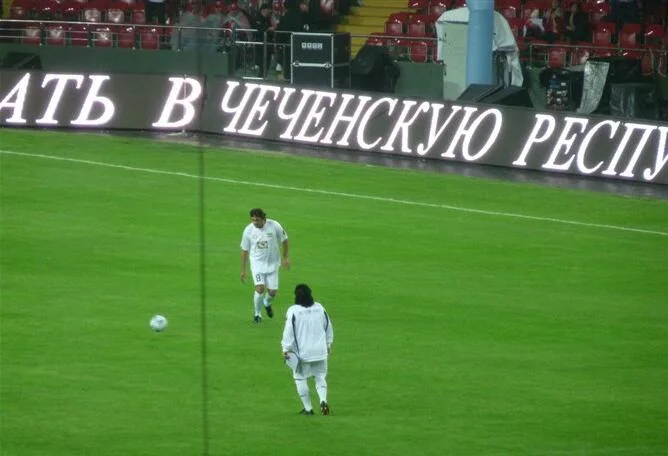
(654, 60)
(256, 54)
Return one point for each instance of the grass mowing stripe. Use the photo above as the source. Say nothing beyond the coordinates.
(344, 194)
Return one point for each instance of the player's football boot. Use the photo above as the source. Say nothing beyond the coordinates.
(270, 311)
(257, 319)
(324, 408)
(306, 412)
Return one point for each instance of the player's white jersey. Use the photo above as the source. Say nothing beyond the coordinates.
(308, 332)
(264, 246)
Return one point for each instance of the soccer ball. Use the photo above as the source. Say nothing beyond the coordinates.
(158, 323)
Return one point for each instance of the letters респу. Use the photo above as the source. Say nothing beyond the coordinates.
(593, 146)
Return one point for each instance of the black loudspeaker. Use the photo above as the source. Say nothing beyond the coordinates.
(634, 100)
(477, 92)
(497, 94)
(622, 69)
(373, 70)
(20, 61)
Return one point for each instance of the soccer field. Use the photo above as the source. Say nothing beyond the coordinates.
(471, 316)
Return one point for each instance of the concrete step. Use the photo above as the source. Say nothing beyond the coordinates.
(377, 11)
(358, 30)
(371, 21)
(400, 4)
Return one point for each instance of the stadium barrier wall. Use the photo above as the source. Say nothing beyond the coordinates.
(417, 79)
(605, 147)
(72, 59)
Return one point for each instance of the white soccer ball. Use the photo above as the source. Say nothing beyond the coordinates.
(158, 323)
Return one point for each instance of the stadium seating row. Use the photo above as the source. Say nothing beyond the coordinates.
(631, 36)
(596, 9)
(556, 56)
(107, 11)
(125, 36)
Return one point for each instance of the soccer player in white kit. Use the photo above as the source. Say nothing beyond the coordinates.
(261, 241)
(309, 334)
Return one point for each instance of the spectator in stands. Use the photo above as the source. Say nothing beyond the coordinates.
(556, 4)
(246, 7)
(624, 12)
(577, 25)
(553, 24)
(292, 21)
(156, 12)
(188, 38)
(533, 27)
(312, 14)
(265, 34)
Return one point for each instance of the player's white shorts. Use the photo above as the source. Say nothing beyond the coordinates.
(312, 369)
(269, 280)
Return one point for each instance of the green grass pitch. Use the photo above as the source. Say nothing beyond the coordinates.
(461, 327)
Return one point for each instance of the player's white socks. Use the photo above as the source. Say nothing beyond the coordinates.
(302, 390)
(267, 300)
(257, 301)
(321, 388)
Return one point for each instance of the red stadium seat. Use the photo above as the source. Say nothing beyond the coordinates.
(437, 7)
(79, 35)
(509, 12)
(598, 13)
(516, 26)
(400, 49)
(395, 24)
(115, 15)
(32, 34)
(510, 9)
(149, 38)
(217, 7)
(126, 37)
(394, 28)
(46, 9)
(629, 36)
(420, 5)
(71, 10)
(56, 35)
(102, 36)
(20, 9)
(418, 25)
(399, 16)
(138, 14)
(603, 33)
(419, 51)
(92, 13)
(653, 36)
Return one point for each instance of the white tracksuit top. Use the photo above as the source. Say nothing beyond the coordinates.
(308, 332)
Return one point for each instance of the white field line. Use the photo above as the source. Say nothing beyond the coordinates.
(344, 194)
